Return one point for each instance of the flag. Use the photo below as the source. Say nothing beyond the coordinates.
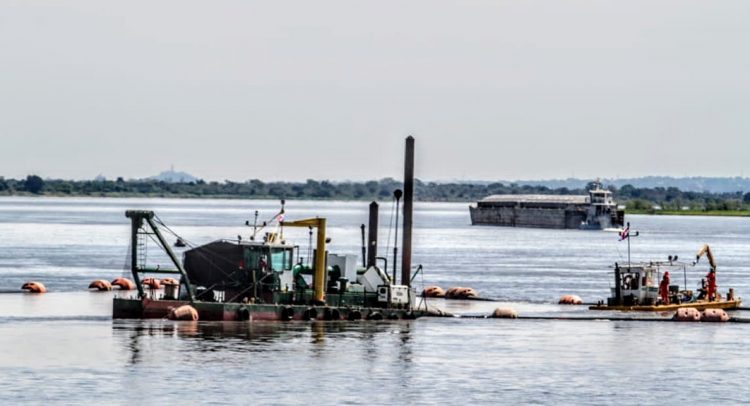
(625, 233)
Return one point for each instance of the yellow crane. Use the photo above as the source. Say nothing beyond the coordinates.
(319, 277)
(706, 250)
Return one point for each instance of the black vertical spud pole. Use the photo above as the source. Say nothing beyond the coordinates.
(408, 208)
(372, 236)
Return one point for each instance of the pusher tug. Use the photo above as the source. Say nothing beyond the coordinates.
(239, 280)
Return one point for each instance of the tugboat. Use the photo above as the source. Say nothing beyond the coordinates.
(241, 280)
(637, 288)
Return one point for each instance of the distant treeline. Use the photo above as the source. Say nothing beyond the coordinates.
(669, 198)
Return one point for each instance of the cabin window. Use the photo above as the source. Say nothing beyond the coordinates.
(630, 281)
(281, 260)
(252, 258)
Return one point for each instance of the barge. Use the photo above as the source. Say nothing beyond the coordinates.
(597, 211)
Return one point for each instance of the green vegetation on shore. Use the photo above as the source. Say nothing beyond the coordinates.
(637, 200)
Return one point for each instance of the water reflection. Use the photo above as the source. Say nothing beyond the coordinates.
(323, 338)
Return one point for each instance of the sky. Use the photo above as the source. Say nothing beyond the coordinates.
(295, 90)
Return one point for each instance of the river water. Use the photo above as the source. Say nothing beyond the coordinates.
(64, 347)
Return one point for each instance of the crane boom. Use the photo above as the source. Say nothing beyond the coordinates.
(319, 277)
(706, 250)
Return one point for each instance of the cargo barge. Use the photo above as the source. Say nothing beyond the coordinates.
(596, 211)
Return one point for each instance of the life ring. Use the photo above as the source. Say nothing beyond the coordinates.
(626, 282)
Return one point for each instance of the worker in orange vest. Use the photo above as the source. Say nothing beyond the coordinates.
(664, 288)
(711, 279)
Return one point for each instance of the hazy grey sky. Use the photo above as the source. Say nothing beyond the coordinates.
(321, 89)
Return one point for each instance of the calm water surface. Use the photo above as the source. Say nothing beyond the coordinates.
(64, 346)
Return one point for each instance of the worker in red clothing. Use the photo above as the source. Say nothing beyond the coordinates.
(711, 279)
(664, 288)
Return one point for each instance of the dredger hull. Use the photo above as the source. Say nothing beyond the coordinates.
(129, 308)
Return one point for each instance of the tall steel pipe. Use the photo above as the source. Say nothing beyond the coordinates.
(372, 235)
(408, 209)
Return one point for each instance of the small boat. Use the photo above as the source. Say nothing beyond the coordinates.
(637, 288)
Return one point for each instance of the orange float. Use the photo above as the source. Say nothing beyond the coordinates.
(570, 300)
(34, 287)
(504, 313)
(460, 293)
(714, 316)
(100, 285)
(184, 312)
(169, 281)
(687, 314)
(433, 291)
(152, 283)
(123, 284)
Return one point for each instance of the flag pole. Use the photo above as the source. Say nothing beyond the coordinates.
(628, 228)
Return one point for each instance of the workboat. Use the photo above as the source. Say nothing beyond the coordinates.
(266, 279)
(637, 288)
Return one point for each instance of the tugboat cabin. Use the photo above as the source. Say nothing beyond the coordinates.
(635, 285)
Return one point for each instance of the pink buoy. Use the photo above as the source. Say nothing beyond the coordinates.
(100, 285)
(34, 287)
(123, 284)
(433, 291)
(504, 313)
(460, 293)
(169, 281)
(152, 283)
(570, 300)
(714, 316)
(687, 314)
(184, 312)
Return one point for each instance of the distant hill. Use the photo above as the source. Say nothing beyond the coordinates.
(689, 184)
(172, 176)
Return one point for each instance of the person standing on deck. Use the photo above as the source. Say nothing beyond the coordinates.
(664, 288)
(711, 279)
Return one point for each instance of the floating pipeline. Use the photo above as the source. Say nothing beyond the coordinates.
(686, 315)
